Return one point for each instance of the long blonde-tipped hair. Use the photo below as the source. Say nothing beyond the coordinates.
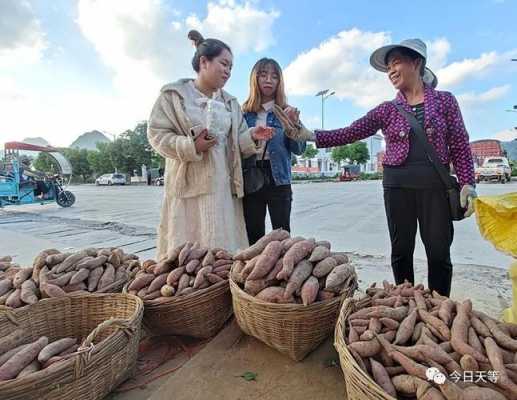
(254, 101)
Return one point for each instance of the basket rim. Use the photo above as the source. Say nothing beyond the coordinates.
(234, 287)
(177, 299)
(66, 364)
(342, 349)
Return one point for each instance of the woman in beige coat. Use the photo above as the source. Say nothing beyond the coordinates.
(203, 175)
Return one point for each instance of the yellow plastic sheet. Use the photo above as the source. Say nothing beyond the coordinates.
(497, 220)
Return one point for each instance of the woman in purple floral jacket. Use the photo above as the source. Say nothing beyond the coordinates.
(413, 191)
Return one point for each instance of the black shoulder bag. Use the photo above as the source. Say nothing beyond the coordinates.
(254, 176)
(451, 184)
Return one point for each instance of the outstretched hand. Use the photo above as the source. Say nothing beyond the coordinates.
(262, 133)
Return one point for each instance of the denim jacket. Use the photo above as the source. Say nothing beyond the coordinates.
(279, 148)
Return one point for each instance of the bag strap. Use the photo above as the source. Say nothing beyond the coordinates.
(419, 133)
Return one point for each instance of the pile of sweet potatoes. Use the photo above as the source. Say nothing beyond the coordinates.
(187, 269)
(19, 358)
(284, 269)
(54, 274)
(397, 333)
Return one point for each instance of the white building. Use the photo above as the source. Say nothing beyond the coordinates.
(375, 144)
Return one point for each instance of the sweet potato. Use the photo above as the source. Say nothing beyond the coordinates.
(274, 294)
(398, 314)
(445, 311)
(209, 259)
(79, 276)
(29, 369)
(174, 253)
(222, 254)
(92, 263)
(436, 323)
(254, 287)
(186, 291)
(266, 261)
(14, 300)
(319, 253)
(12, 340)
(214, 278)
(21, 276)
(200, 277)
(469, 363)
(324, 267)
(353, 336)
(324, 295)
(28, 292)
(108, 277)
(148, 263)
(50, 260)
(152, 295)
(411, 367)
(293, 256)
(5, 296)
(71, 261)
(55, 348)
(500, 337)
(167, 291)
(459, 332)
(389, 323)
(7, 355)
(221, 268)
(358, 360)
(340, 258)
(175, 275)
(366, 348)
(94, 277)
(382, 378)
(338, 275)
(183, 283)
(309, 291)
(63, 279)
(289, 242)
(162, 267)
(260, 245)
(479, 326)
(300, 273)
(405, 330)
(81, 286)
(141, 281)
(20, 360)
(157, 282)
(197, 254)
(184, 253)
(222, 274)
(496, 360)
(479, 393)
(52, 290)
(5, 286)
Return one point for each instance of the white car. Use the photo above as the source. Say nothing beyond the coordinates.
(494, 168)
(111, 179)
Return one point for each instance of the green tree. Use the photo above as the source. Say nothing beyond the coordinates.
(340, 153)
(80, 164)
(100, 160)
(356, 153)
(45, 163)
(310, 152)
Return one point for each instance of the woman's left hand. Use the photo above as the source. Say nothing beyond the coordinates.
(262, 133)
(467, 196)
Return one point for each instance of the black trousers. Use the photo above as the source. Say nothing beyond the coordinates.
(428, 207)
(278, 201)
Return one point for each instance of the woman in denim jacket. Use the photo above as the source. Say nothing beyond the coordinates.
(266, 92)
(413, 191)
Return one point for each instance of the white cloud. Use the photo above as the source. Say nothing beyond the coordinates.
(506, 135)
(342, 64)
(470, 99)
(21, 38)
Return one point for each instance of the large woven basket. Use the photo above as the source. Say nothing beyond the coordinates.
(359, 385)
(200, 314)
(292, 329)
(107, 325)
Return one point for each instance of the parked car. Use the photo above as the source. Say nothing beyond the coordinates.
(111, 179)
(494, 168)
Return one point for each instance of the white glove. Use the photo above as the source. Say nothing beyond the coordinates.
(294, 131)
(467, 196)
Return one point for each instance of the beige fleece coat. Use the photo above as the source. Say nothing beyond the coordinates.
(188, 174)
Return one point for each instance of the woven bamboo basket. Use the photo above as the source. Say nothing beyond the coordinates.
(359, 385)
(200, 314)
(107, 325)
(292, 329)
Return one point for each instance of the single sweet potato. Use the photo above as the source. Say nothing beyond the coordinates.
(274, 294)
(184, 253)
(80, 276)
(62, 280)
(382, 378)
(28, 292)
(209, 259)
(201, 277)
(94, 277)
(14, 300)
(55, 348)
(197, 254)
(300, 273)
(5, 286)
(175, 275)
(260, 245)
(324, 267)
(12, 340)
(293, 256)
(324, 295)
(92, 262)
(436, 323)
(157, 282)
(21, 276)
(162, 267)
(366, 348)
(253, 287)
(405, 330)
(319, 253)
(500, 337)
(108, 277)
(214, 278)
(183, 283)
(266, 261)
(340, 258)
(236, 271)
(71, 261)
(141, 281)
(338, 275)
(309, 291)
(20, 360)
(459, 332)
(289, 242)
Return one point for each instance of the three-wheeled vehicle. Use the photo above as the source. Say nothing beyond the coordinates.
(350, 173)
(22, 186)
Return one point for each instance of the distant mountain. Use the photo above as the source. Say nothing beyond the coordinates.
(89, 140)
(511, 149)
(37, 141)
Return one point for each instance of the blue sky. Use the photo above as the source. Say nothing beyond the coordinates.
(71, 66)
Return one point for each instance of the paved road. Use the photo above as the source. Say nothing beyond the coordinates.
(350, 215)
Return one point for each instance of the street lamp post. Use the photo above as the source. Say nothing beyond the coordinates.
(324, 96)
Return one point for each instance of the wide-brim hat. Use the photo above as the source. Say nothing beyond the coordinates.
(378, 58)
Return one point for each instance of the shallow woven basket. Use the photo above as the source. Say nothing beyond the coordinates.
(107, 325)
(359, 385)
(200, 314)
(292, 329)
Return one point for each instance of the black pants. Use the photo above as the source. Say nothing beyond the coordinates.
(278, 201)
(404, 207)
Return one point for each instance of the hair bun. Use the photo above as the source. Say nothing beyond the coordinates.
(196, 37)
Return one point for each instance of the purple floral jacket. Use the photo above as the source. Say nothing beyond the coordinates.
(443, 124)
